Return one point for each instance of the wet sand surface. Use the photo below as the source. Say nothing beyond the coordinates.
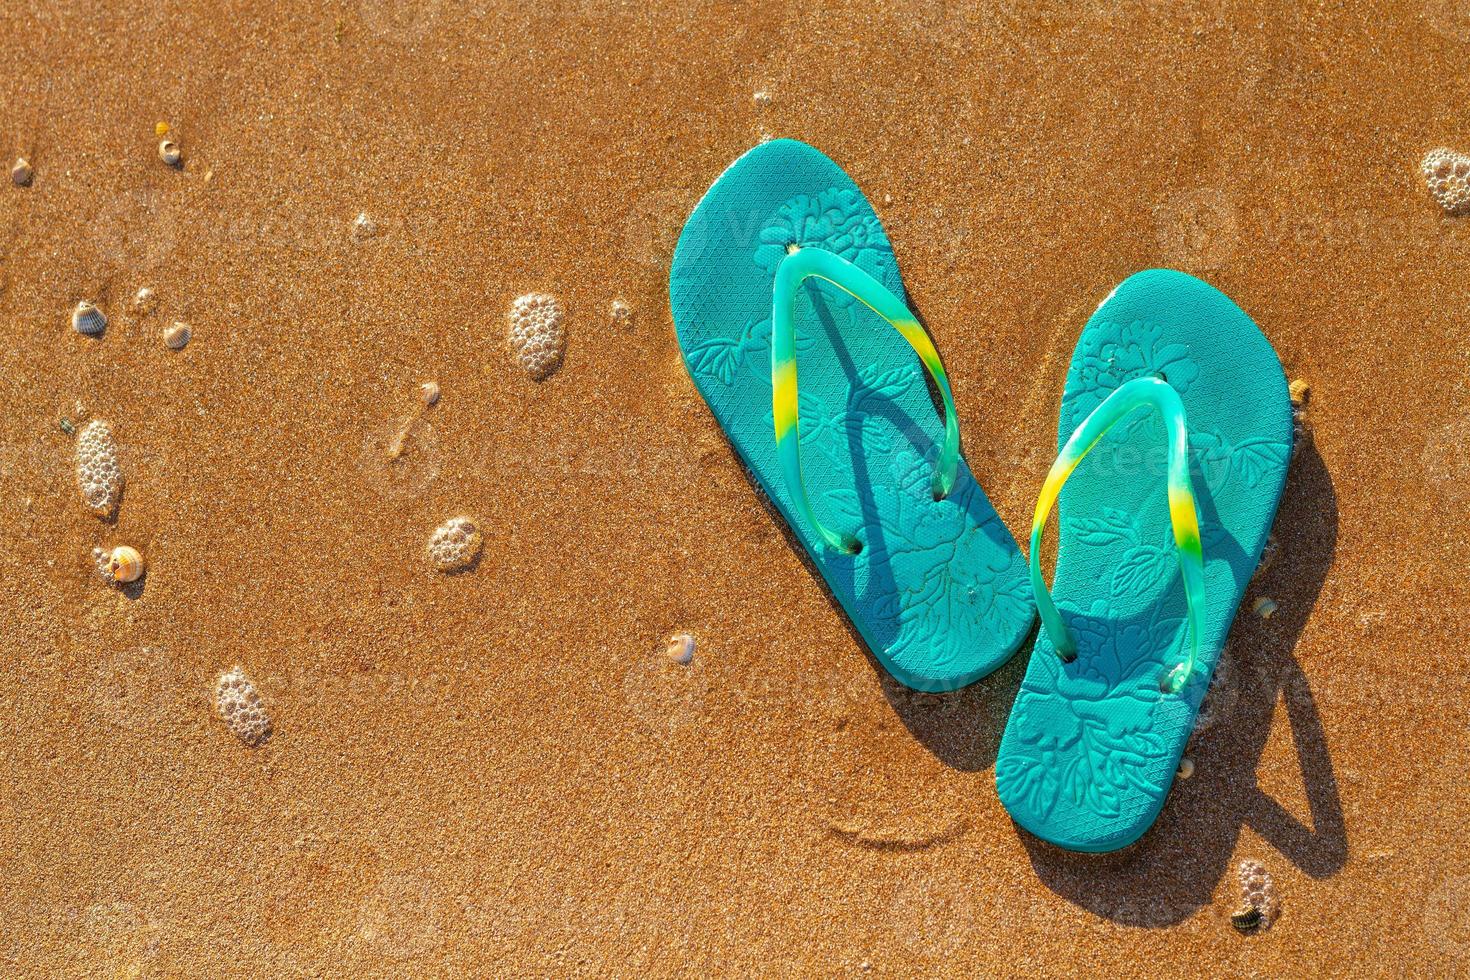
(496, 771)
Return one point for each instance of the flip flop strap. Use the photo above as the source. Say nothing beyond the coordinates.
(1152, 392)
(817, 263)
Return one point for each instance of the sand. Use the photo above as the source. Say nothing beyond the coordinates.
(494, 772)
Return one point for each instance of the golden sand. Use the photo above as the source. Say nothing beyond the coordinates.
(499, 771)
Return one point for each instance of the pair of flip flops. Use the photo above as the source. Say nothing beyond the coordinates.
(1175, 436)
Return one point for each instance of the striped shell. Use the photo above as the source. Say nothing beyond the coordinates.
(86, 319)
(1246, 919)
(125, 564)
(176, 336)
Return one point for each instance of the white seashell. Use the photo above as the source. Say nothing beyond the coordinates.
(622, 314)
(1264, 607)
(535, 335)
(21, 173)
(1186, 768)
(87, 319)
(455, 544)
(429, 393)
(125, 564)
(241, 708)
(98, 474)
(680, 648)
(145, 301)
(363, 227)
(169, 153)
(176, 336)
(1448, 175)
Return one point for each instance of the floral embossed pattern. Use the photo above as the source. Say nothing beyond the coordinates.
(1091, 746)
(938, 590)
(837, 219)
(1110, 354)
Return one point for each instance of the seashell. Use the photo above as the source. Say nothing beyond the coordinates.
(680, 648)
(169, 153)
(622, 314)
(535, 335)
(98, 475)
(86, 319)
(124, 564)
(1300, 391)
(363, 227)
(429, 393)
(762, 97)
(21, 173)
(1448, 175)
(455, 545)
(145, 301)
(241, 708)
(176, 336)
(1264, 608)
(1186, 768)
(160, 129)
(1247, 919)
(66, 426)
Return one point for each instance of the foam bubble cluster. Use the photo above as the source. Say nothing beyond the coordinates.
(455, 544)
(1448, 175)
(536, 337)
(1257, 890)
(98, 475)
(240, 708)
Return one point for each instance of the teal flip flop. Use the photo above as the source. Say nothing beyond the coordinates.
(1171, 385)
(783, 275)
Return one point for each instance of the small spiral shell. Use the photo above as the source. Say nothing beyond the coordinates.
(169, 153)
(125, 564)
